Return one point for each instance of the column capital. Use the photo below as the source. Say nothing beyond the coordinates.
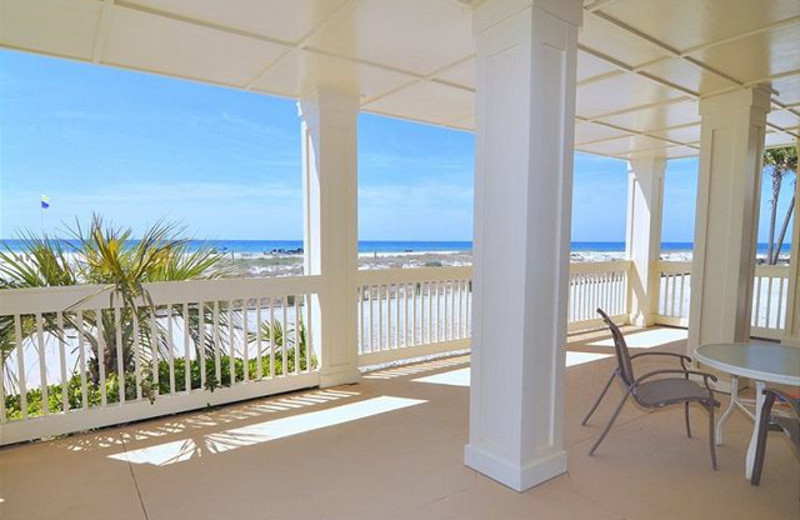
(492, 12)
(757, 97)
(329, 99)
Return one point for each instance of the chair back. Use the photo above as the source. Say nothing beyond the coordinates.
(621, 348)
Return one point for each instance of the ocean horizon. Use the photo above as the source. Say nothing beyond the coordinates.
(399, 246)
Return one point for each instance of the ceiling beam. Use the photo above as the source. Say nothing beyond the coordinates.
(304, 42)
(101, 34)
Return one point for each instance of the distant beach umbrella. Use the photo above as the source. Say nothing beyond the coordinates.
(45, 202)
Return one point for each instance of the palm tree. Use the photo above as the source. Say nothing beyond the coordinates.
(779, 162)
(278, 339)
(106, 255)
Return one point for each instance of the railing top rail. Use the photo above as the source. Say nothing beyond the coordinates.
(59, 299)
(674, 267)
(773, 271)
(599, 267)
(422, 274)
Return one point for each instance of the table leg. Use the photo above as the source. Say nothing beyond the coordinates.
(731, 405)
(751, 450)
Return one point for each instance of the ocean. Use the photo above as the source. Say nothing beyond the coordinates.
(402, 246)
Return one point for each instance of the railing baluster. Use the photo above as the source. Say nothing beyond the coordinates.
(405, 315)
(120, 355)
(101, 356)
(217, 345)
(40, 344)
(361, 332)
(82, 360)
(259, 339)
(201, 338)
(381, 343)
(756, 320)
(154, 347)
(309, 334)
(769, 301)
(284, 337)
(171, 347)
(62, 358)
(414, 303)
(371, 318)
(187, 356)
(232, 343)
(296, 335)
(23, 387)
(271, 337)
(245, 340)
(397, 316)
(779, 311)
(137, 349)
(389, 342)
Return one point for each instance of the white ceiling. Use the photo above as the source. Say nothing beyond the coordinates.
(642, 64)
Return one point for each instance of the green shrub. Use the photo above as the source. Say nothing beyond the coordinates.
(75, 394)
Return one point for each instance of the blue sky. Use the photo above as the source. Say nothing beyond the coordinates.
(226, 163)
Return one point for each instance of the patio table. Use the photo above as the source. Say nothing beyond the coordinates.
(760, 361)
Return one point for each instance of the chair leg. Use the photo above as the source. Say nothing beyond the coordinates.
(761, 443)
(711, 440)
(610, 423)
(686, 414)
(599, 398)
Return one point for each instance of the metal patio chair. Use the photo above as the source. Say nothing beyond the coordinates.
(656, 393)
(787, 423)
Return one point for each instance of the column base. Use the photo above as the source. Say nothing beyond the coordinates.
(344, 377)
(791, 341)
(642, 320)
(548, 466)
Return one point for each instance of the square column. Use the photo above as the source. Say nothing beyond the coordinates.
(330, 203)
(643, 234)
(792, 335)
(525, 108)
(726, 228)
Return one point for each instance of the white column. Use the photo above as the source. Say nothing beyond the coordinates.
(526, 53)
(792, 335)
(643, 236)
(331, 228)
(728, 196)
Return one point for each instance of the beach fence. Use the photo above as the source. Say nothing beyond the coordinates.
(770, 295)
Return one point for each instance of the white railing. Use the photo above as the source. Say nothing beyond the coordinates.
(598, 284)
(75, 358)
(770, 292)
(674, 293)
(407, 313)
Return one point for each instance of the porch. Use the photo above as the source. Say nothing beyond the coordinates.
(643, 84)
(392, 447)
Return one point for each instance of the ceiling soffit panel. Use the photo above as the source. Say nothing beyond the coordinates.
(299, 72)
(420, 36)
(283, 20)
(657, 117)
(147, 42)
(620, 92)
(684, 24)
(55, 27)
(426, 101)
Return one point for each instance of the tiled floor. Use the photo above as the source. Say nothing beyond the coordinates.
(391, 448)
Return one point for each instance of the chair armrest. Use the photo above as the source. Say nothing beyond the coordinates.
(791, 401)
(687, 373)
(684, 358)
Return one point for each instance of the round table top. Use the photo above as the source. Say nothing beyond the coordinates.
(760, 361)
